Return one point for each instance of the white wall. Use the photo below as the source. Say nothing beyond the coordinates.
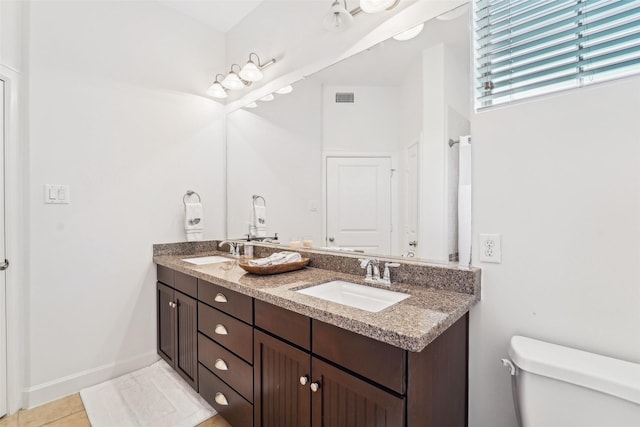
(113, 113)
(558, 177)
(275, 151)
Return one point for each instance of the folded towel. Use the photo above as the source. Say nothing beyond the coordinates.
(276, 259)
(259, 221)
(193, 224)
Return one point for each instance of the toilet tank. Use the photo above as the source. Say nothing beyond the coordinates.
(558, 386)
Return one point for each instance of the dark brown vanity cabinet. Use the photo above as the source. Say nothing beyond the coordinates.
(177, 323)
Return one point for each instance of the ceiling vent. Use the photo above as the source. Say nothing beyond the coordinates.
(345, 98)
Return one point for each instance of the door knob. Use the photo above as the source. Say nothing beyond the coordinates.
(315, 387)
(413, 243)
(331, 239)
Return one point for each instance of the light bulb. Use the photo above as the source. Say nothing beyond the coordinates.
(217, 91)
(252, 105)
(375, 6)
(338, 18)
(250, 72)
(285, 90)
(267, 98)
(410, 33)
(232, 81)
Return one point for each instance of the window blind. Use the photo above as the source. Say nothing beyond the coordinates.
(531, 47)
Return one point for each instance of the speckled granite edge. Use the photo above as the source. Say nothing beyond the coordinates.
(185, 248)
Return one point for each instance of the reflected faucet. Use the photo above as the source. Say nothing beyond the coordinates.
(372, 267)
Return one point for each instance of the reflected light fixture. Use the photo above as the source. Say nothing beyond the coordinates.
(410, 33)
(232, 81)
(375, 6)
(338, 17)
(285, 90)
(252, 105)
(216, 90)
(252, 72)
(267, 98)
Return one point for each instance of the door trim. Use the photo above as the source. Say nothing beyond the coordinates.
(16, 235)
(394, 189)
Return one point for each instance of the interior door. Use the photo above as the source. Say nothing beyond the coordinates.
(3, 302)
(412, 186)
(359, 203)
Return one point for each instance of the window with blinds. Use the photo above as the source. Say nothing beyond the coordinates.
(532, 47)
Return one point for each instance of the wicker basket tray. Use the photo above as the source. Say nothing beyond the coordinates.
(274, 269)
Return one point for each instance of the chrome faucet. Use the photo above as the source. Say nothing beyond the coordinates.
(372, 268)
(234, 247)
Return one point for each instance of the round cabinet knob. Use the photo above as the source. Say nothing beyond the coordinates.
(220, 298)
(221, 399)
(315, 387)
(221, 365)
(304, 380)
(221, 330)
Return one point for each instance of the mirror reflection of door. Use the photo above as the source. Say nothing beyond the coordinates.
(358, 203)
(3, 306)
(411, 245)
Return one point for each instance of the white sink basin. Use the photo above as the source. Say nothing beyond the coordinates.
(206, 260)
(357, 296)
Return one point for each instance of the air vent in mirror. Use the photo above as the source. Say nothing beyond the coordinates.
(345, 97)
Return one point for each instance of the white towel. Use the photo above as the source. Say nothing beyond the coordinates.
(193, 222)
(277, 258)
(259, 221)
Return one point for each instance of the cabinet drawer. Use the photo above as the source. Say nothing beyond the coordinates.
(165, 275)
(283, 323)
(380, 362)
(186, 284)
(233, 303)
(229, 367)
(227, 331)
(237, 411)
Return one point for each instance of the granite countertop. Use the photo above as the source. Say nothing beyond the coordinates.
(410, 324)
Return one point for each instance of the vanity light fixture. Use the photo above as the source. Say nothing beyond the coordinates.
(216, 90)
(410, 33)
(267, 98)
(338, 18)
(252, 72)
(232, 81)
(252, 105)
(285, 90)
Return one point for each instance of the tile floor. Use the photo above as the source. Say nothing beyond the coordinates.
(69, 412)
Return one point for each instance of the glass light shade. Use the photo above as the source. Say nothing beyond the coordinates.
(375, 6)
(337, 19)
(285, 90)
(232, 81)
(250, 72)
(217, 91)
(410, 33)
(267, 98)
(252, 105)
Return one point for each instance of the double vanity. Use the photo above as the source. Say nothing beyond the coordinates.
(263, 349)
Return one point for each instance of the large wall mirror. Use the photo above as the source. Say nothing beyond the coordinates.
(367, 155)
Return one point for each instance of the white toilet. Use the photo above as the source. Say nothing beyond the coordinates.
(557, 386)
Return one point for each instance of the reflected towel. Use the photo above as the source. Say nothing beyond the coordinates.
(277, 258)
(259, 221)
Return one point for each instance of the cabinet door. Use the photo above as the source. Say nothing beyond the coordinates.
(342, 400)
(166, 323)
(186, 356)
(280, 399)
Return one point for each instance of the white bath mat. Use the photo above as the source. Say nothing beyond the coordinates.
(153, 396)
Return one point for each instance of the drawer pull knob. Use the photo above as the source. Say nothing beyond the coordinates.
(221, 330)
(304, 379)
(221, 365)
(315, 387)
(221, 399)
(172, 304)
(220, 298)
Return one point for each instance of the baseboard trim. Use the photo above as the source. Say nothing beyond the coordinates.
(52, 390)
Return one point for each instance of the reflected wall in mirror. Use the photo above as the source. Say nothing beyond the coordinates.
(357, 157)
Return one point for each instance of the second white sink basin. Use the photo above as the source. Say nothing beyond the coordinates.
(358, 296)
(203, 260)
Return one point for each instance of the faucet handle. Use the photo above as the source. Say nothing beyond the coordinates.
(387, 273)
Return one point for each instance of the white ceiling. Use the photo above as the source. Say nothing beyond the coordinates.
(222, 15)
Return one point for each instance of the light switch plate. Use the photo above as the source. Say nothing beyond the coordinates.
(57, 194)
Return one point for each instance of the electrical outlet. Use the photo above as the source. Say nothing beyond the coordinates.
(490, 248)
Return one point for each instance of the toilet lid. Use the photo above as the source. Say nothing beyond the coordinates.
(605, 374)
